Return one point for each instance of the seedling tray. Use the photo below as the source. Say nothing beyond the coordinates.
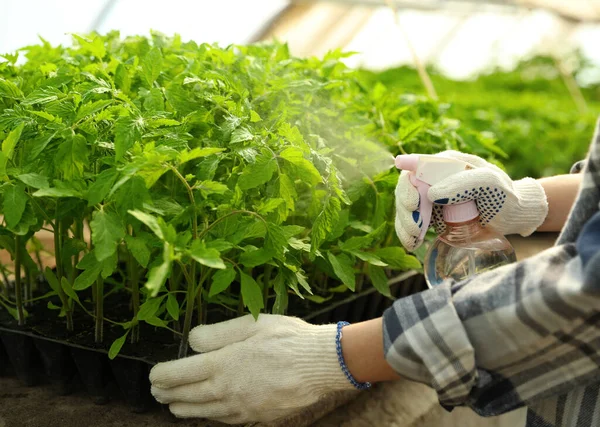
(70, 365)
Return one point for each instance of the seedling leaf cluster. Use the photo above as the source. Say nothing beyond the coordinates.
(190, 179)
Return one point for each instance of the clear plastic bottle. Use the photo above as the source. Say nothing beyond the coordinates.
(465, 248)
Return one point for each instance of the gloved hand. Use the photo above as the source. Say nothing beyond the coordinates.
(251, 370)
(510, 207)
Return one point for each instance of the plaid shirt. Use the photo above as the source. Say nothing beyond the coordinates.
(526, 334)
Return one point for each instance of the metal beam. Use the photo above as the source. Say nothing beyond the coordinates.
(505, 6)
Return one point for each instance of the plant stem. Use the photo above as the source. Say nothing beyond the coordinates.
(57, 244)
(192, 201)
(135, 296)
(240, 309)
(189, 310)
(18, 289)
(5, 281)
(204, 311)
(176, 273)
(78, 233)
(266, 282)
(99, 329)
(28, 287)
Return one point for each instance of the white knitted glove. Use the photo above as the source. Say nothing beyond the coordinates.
(251, 370)
(510, 207)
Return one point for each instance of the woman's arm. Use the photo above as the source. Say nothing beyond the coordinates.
(363, 352)
(561, 191)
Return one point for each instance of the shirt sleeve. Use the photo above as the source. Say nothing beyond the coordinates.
(506, 338)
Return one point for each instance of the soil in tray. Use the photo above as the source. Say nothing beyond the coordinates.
(23, 406)
(158, 344)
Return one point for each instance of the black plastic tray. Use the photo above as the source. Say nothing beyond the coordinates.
(69, 367)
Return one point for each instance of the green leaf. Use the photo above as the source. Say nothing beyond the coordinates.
(156, 123)
(52, 280)
(149, 308)
(152, 65)
(122, 78)
(3, 163)
(241, 135)
(256, 174)
(150, 222)
(207, 188)
(281, 293)
(302, 280)
(307, 171)
(91, 108)
(173, 306)
(379, 280)
(355, 243)
(220, 245)
(138, 248)
(52, 306)
(369, 257)
(186, 156)
(109, 265)
(205, 256)
(87, 278)
(57, 192)
(95, 46)
(276, 241)
(268, 206)
(9, 144)
(325, 222)
(72, 157)
(221, 280)
(66, 286)
(88, 261)
(343, 267)
(9, 90)
(155, 321)
(39, 144)
(127, 132)
(397, 257)
(12, 311)
(107, 233)
(14, 203)
(287, 191)
(46, 116)
(318, 298)
(101, 186)
(153, 100)
(43, 95)
(254, 117)
(158, 275)
(256, 257)
(34, 180)
(252, 294)
(116, 346)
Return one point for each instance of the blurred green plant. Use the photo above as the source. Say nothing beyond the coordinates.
(527, 112)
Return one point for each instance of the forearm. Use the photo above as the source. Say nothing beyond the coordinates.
(362, 347)
(561, 191)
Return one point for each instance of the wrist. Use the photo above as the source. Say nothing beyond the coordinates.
(362, 348)
(533, 204)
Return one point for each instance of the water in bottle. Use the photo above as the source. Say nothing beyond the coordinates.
(465, 248)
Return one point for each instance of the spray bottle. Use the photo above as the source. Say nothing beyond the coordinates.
(465, 248)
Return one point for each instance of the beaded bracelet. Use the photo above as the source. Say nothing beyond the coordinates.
(338, 347)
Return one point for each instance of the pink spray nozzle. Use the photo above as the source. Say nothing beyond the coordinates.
(461, 212)
(407, 162)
